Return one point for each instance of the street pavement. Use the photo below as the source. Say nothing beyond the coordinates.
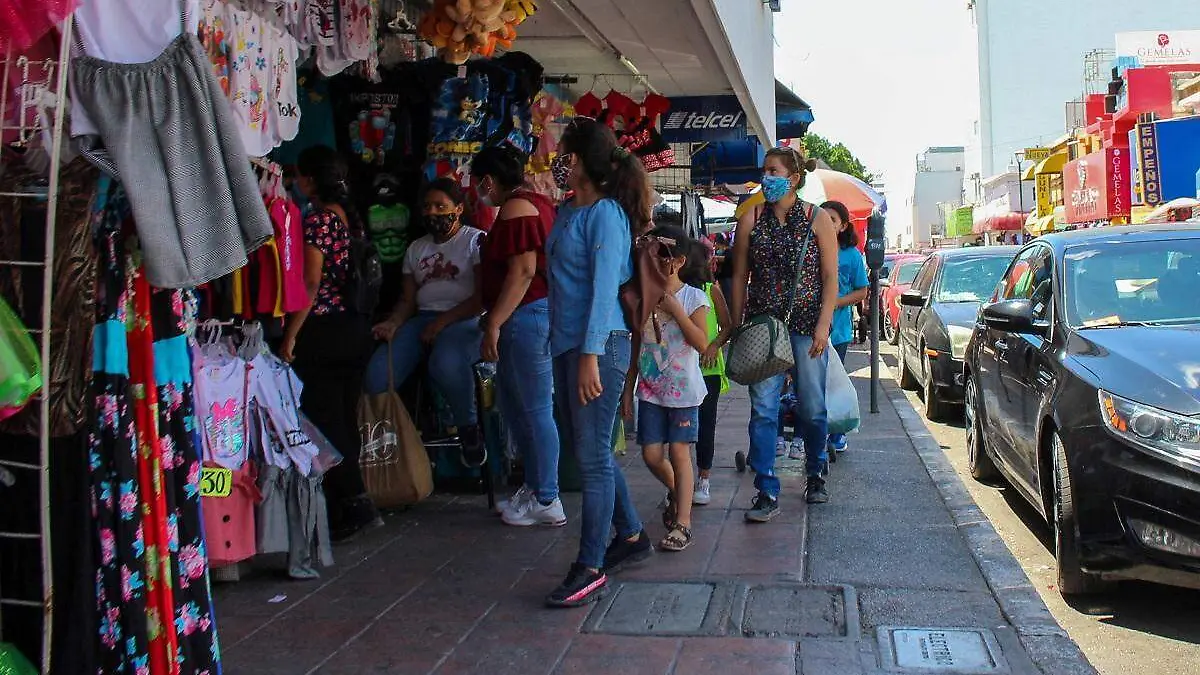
(899, 570)
(1137, 628)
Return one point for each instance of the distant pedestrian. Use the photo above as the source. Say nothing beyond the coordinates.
(852, 290)
(770, 242)
(712, 364)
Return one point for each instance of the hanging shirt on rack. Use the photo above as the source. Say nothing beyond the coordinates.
(221, 386)
(285, 102)
(250, 80)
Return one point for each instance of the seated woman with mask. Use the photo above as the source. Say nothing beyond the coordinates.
(438, 313)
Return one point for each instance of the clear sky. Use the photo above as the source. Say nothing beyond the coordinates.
(888, 78)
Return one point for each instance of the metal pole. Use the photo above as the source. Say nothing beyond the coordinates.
(874, 341)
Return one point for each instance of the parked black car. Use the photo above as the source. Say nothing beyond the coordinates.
(936, 318)
(1083, 391)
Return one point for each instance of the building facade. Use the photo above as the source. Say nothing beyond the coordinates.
(1032, 61)
(939, 181)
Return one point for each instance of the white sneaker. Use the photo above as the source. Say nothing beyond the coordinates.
(780, 447)
(530, 512)
(797, 451)
(522, 494)
(702, 497)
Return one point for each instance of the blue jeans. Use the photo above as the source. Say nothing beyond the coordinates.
(808, 378)
(606, 501)
(451, 359)
(525, 377)
(659, 425)
(839, 439)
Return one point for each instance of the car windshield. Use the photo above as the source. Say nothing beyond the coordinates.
(907, 272)
(1133, 282)
(971, 279)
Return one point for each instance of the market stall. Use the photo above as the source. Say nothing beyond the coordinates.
(151, 246)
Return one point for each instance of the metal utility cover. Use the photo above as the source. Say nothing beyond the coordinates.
(795, 611)
(963, 651)
(679, 609)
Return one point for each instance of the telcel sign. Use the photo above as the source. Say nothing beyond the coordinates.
(1096, 187)
(710, 119)
(1160, 48)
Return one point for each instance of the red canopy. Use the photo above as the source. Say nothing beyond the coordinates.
(1004, 222)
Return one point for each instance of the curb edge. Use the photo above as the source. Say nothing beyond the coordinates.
(1044, 640)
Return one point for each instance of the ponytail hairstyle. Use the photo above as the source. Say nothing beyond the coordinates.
(847, 237)
(330, 181)
(795, 162)
(504, 163)
(615, 171)
(328, 172)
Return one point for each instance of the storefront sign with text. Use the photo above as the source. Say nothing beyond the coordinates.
(1155, 48)
(1148, 161)
(1096, 187)
(696, 119)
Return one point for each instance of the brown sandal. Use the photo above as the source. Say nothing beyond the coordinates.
(677, 539)
(669, 513)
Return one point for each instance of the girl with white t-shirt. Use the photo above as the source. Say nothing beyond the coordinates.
(670, 387)
(438, 313)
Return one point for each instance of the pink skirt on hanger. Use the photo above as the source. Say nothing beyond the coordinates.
(24, 22)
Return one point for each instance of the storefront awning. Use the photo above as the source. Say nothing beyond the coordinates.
(1052, 164)
(1038, 226)
(1003, 222)
(693, 48)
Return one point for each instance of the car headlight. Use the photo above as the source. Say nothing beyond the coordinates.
(1175, 436)
(959, 337)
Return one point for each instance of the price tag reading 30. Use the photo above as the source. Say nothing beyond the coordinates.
(215, 482)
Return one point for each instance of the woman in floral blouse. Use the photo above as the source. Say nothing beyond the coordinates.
(328, 343)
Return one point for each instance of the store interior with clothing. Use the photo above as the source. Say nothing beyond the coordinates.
(153, 232)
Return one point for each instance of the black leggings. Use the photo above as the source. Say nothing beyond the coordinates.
(706, 445)
(331, 354)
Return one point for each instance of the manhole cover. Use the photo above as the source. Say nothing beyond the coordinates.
(795, 611)
(663, 609)
(963, 651)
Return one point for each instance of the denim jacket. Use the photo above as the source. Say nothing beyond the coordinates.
(588, 258)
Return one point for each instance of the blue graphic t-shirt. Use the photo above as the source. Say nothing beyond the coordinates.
(852, 276)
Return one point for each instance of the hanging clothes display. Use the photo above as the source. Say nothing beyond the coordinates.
(166, 129)
(24, 22)
(152, 585)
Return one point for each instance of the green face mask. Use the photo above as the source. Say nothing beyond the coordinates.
(389, 230)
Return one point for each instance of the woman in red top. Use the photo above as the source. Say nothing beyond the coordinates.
(516, 330)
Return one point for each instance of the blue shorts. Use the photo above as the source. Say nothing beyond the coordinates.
(658, 425)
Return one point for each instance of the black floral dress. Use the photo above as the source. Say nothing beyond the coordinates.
(152, 586)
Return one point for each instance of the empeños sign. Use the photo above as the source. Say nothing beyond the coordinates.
(1096, 187)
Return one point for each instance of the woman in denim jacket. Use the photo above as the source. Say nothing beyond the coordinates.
(588, 253)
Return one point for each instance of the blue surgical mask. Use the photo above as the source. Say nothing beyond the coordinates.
(775, 187)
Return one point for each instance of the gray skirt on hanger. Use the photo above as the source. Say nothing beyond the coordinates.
(167, 132)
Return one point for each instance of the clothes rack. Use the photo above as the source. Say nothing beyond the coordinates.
(26, 128)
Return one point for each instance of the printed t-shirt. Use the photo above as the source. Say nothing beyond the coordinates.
(445, 273)
(512, 237)
(326, 232)
(852, 276)
(669, 371)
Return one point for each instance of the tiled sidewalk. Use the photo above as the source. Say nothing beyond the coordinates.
(446, 588)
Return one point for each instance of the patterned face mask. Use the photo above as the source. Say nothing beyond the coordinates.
(441, 223)
(775, 188)
(560, 169)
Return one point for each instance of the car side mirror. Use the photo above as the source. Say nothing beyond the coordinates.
(1014, 316)
(884, 283)
(912, 298)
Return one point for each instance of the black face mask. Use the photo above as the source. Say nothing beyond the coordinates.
(441, 224)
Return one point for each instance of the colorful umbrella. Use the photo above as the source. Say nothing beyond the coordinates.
(824, 185)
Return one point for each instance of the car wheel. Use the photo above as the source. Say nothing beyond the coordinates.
(904, 376)
(980, 463)
(1072, 580)
(935, 408)
(889, 330)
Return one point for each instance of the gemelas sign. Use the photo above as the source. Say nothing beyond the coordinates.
(1096, 187)
(1160, 48)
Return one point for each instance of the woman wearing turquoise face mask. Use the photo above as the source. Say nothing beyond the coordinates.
(770, 241)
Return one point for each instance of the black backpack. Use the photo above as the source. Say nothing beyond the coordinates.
(365, 276)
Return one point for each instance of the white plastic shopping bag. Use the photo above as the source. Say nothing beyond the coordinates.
(841, 399)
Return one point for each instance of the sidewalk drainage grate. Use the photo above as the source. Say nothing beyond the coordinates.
(963, 651)
(677, 609)
(795, 611)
